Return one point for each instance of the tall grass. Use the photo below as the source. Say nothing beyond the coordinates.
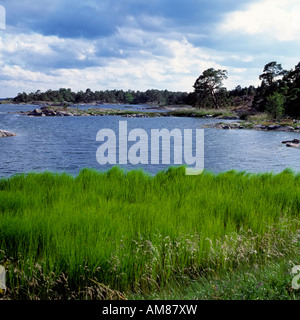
(185, 112)
(102, 233)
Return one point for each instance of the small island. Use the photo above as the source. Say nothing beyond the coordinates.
(163, 111)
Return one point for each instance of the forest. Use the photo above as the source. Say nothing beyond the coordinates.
(278, 94)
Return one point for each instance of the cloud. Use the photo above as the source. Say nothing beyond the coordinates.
(278, 20)
(175, 70)
(138, 45)
(94, 19)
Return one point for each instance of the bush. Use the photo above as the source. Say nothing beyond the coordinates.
(275, 105)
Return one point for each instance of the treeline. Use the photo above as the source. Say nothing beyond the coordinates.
(279, 92)
(159, 97)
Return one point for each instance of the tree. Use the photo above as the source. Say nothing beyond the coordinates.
(208, 85)
(293, 92)
(275, 105)
(128, 97)
(273, 80)
(272, 70)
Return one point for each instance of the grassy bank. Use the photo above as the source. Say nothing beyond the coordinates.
(111, 235)
(268, 281)
(188, 112)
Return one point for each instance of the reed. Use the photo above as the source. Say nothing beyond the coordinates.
(102, 234)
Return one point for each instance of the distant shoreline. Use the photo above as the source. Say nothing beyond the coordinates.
(53, 109)
(170, 111)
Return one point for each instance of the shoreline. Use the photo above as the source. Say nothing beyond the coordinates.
(169, 111)
(285, 125)
(293, 126)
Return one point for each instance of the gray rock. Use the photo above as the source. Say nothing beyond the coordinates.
(272, 127)
(293, 145)
(290, 128)
(285, 129)
(292, 141)
(4, 134)
(36, 113)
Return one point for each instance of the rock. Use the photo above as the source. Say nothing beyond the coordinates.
(217, 126)
(290, 128)
(225, 127)
(230, 117)
(292, 141)
(285, 129)
(36, 112)
(48, 112)
(272, 127)
(293, 145)
(4, 134)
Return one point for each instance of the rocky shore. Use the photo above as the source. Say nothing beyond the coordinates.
(48, 111)
(295, 127)
(57, 111)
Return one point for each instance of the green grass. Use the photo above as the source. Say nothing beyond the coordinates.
(186, 112)
(272, 281)
(113, 234)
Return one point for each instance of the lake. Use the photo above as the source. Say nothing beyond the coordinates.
(68, 144)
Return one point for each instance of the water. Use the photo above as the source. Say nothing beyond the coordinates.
(68, 144)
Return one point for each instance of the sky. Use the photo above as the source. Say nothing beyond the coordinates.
(142, 44)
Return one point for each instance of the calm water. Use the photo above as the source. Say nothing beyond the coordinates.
(68, 144)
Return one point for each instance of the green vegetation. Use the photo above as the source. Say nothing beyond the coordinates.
(275, 105)
(6, 101)
(270, 281)
(118, 235)
(209, 90)
(54, 110)
(161, 97)
(187, 112)
(278, 95)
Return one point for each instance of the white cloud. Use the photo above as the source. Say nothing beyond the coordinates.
(277, 19)
(162, 64)
(29, 62)
(35, 43)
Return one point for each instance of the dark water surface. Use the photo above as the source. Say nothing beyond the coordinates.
(68, 144)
